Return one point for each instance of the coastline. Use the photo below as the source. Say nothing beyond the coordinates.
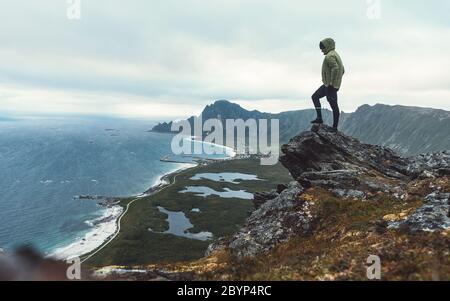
(106, 225)
(93, 238)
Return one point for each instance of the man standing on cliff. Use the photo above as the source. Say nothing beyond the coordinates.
(332, 73)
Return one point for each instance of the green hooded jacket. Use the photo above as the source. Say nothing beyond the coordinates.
(332, 68)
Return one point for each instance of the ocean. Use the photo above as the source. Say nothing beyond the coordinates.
(46, 162)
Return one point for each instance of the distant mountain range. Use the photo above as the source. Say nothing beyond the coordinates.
(407, 130)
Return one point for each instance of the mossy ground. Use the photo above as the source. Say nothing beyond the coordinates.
(136, 245)
(346, 235)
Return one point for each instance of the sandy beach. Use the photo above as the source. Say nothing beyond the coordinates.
(104, 227)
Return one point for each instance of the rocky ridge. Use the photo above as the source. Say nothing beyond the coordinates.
(322, 159)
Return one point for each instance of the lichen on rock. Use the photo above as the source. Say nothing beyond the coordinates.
(434, 215)
(275, 221)
(347, 169)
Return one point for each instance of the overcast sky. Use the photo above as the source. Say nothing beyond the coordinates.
(169, 58)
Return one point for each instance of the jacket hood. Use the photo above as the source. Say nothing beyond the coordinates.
(329, 44)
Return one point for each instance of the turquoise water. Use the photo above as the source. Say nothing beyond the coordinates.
(44, 163)
(179, 225)
(204, 191)
(229, 177)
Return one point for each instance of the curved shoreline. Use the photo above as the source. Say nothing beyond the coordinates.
(101, 229)
(151, 191)
(112, 227)
(108, 227)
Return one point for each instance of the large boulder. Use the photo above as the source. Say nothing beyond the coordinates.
(275, 221)
(326, 159)
(323, 149)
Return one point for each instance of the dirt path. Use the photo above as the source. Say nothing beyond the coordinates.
(119, 220)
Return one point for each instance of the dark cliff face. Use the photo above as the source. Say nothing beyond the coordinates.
(343, 168)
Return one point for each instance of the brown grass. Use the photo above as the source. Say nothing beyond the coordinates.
(346, 233)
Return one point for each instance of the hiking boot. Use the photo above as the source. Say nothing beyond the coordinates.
(317, 121)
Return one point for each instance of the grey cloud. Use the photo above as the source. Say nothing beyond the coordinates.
(199, 50)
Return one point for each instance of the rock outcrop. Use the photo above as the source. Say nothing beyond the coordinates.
(433, 215)
(430, 165)
(323, 150)
(274, 222)
(348, 169)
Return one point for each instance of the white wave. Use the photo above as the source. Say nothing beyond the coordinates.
(46, 182)
(103, 231)
(93, 238)
(161, 179)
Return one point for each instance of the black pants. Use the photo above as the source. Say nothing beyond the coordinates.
(332, 98)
